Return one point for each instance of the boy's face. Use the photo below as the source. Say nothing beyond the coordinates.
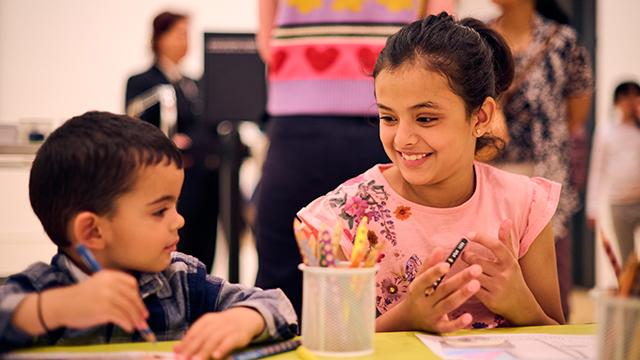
(142, 231)
(629, 106)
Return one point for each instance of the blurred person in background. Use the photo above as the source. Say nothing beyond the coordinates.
(199, 197)
(320, 55)
(614, 174)
(547, 103)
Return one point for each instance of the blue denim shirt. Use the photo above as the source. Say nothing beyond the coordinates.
(175, 298)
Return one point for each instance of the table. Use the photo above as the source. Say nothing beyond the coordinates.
(391, 345)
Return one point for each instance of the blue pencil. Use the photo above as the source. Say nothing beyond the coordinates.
(93, 265)
(265, 351)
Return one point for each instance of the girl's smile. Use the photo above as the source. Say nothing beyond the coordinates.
(414, 159)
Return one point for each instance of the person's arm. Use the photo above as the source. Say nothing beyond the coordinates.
(229, 316)
(522, 291)
(577, 111)
(266, 19)
(273, 305)
(541, 275)
(108, 296)
(594, 184)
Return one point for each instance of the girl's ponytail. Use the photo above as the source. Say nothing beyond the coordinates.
(503, 66)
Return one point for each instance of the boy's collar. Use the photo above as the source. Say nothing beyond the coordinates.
(73, 269)
(149, 283)
(154, 283)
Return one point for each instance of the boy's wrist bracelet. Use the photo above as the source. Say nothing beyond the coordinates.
(40, 317)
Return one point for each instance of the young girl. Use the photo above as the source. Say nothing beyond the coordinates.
(436, 82)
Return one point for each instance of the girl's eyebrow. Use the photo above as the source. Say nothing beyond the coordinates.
(426, 104)
(161, 199)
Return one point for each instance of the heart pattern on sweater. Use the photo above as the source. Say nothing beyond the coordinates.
(321, 60)
(367, 59)
(278, 59)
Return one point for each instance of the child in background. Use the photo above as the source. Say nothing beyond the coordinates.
(111, 183)
(436, 82)
(614, 175)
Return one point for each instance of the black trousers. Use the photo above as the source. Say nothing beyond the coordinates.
(199, 205)
(307, 157)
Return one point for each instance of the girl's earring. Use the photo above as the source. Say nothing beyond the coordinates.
(478, 133)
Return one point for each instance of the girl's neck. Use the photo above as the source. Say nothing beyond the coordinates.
(453, 192)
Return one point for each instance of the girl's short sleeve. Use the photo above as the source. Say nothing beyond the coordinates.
(320, 213)
(545, 195)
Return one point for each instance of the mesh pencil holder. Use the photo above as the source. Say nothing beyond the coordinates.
(338, 310)
(618, 327)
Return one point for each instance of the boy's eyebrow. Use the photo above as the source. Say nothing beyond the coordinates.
(426, 104)
(161, 199)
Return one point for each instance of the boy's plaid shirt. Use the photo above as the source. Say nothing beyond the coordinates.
(175, 298)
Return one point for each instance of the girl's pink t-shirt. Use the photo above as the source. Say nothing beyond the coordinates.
(408, 232)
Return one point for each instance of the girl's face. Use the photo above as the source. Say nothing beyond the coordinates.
(423, 126)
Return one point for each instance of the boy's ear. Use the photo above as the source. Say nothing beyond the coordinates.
(483, 117)
(85, 230)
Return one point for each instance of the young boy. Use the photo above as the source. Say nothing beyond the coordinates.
(111, 183)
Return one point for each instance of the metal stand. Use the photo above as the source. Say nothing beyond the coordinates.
(230, 206)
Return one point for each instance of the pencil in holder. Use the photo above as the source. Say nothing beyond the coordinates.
(618, 327)
(338, 310)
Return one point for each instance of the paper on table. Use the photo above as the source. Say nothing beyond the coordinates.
(132, 355)
(512, 346)
(140, 350)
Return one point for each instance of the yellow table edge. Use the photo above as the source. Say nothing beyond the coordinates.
(406, 343)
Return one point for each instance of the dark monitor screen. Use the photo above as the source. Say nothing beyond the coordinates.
(234, 81)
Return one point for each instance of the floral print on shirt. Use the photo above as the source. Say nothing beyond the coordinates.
(370, 200)
(392, 289)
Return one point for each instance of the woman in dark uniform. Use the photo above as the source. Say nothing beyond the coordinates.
(199, 198)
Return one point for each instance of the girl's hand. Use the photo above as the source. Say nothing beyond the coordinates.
(217, 334)
(429, 313)
(504, 290)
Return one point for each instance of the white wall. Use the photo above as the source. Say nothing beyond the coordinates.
(618, 59)
(60, 58)
(617, 50)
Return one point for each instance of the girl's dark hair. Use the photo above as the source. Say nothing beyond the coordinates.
(625, 89)
(551, 10)
(474, 58)
(90, 161)
(161, 24)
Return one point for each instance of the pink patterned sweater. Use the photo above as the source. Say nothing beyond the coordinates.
(323, 52)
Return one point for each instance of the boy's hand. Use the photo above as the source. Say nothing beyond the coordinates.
(217, 334)
(108, 296)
